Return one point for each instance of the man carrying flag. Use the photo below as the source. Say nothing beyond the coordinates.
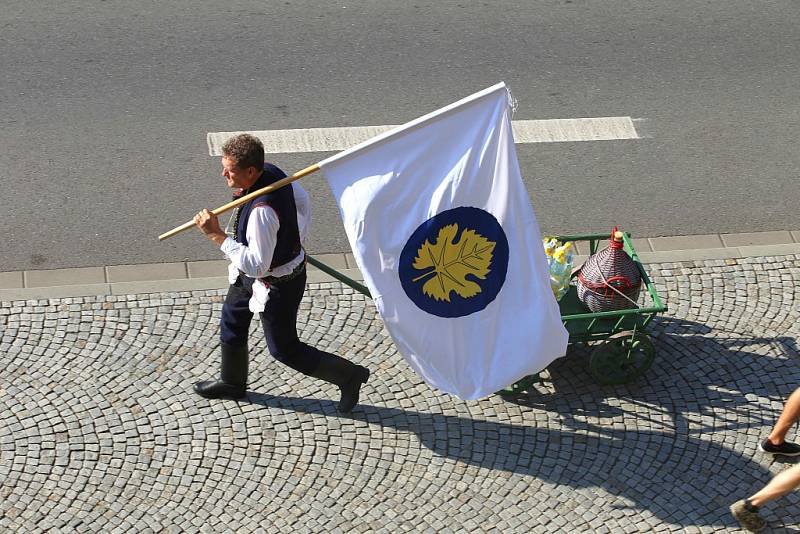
(268, 277)
(443, 231)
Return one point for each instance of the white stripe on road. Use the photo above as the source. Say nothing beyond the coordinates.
(564, 130)
(525, 131)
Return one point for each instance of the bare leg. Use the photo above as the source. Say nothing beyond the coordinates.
(780, 485)
(746, 511)
(789, 416)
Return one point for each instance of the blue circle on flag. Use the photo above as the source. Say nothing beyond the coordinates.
(455, 263)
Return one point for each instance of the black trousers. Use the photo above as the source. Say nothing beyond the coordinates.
(279, 321)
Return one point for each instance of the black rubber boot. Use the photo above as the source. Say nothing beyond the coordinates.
(347, 375)
(232, 383)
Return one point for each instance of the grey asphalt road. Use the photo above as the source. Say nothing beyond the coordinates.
(105, 105)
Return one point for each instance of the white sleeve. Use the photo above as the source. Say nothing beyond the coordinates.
(303, 203)
(262, 236)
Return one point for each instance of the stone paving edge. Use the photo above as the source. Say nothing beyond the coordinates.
(199, 275)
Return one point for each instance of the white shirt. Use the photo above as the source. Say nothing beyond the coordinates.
(262, 236)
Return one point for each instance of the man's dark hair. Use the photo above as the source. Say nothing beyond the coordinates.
(245, 151)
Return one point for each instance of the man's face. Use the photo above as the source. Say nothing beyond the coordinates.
(237, 177)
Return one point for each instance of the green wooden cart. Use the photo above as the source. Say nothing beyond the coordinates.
(622, 349)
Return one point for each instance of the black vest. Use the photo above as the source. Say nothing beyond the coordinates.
(282, 201)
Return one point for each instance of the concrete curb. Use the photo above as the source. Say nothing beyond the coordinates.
(199, 275)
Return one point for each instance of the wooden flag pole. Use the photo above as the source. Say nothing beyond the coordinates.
(230, 205)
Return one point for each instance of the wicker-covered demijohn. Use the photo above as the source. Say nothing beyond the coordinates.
(609, 280)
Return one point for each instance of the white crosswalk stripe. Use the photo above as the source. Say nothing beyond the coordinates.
(525, 131)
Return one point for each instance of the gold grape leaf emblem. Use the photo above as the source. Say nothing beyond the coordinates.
(448, 263)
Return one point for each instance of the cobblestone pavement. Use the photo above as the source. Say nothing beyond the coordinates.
(100, 430)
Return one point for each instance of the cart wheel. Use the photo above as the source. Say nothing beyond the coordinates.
(623, 358)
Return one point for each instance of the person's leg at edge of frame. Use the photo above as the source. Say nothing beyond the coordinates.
(776, 442)
(279, 321)
(746, 510)
(783, 483)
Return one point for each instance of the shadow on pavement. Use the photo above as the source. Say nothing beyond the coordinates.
(670, 443)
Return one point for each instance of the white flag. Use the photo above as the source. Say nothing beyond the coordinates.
(443, 231)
